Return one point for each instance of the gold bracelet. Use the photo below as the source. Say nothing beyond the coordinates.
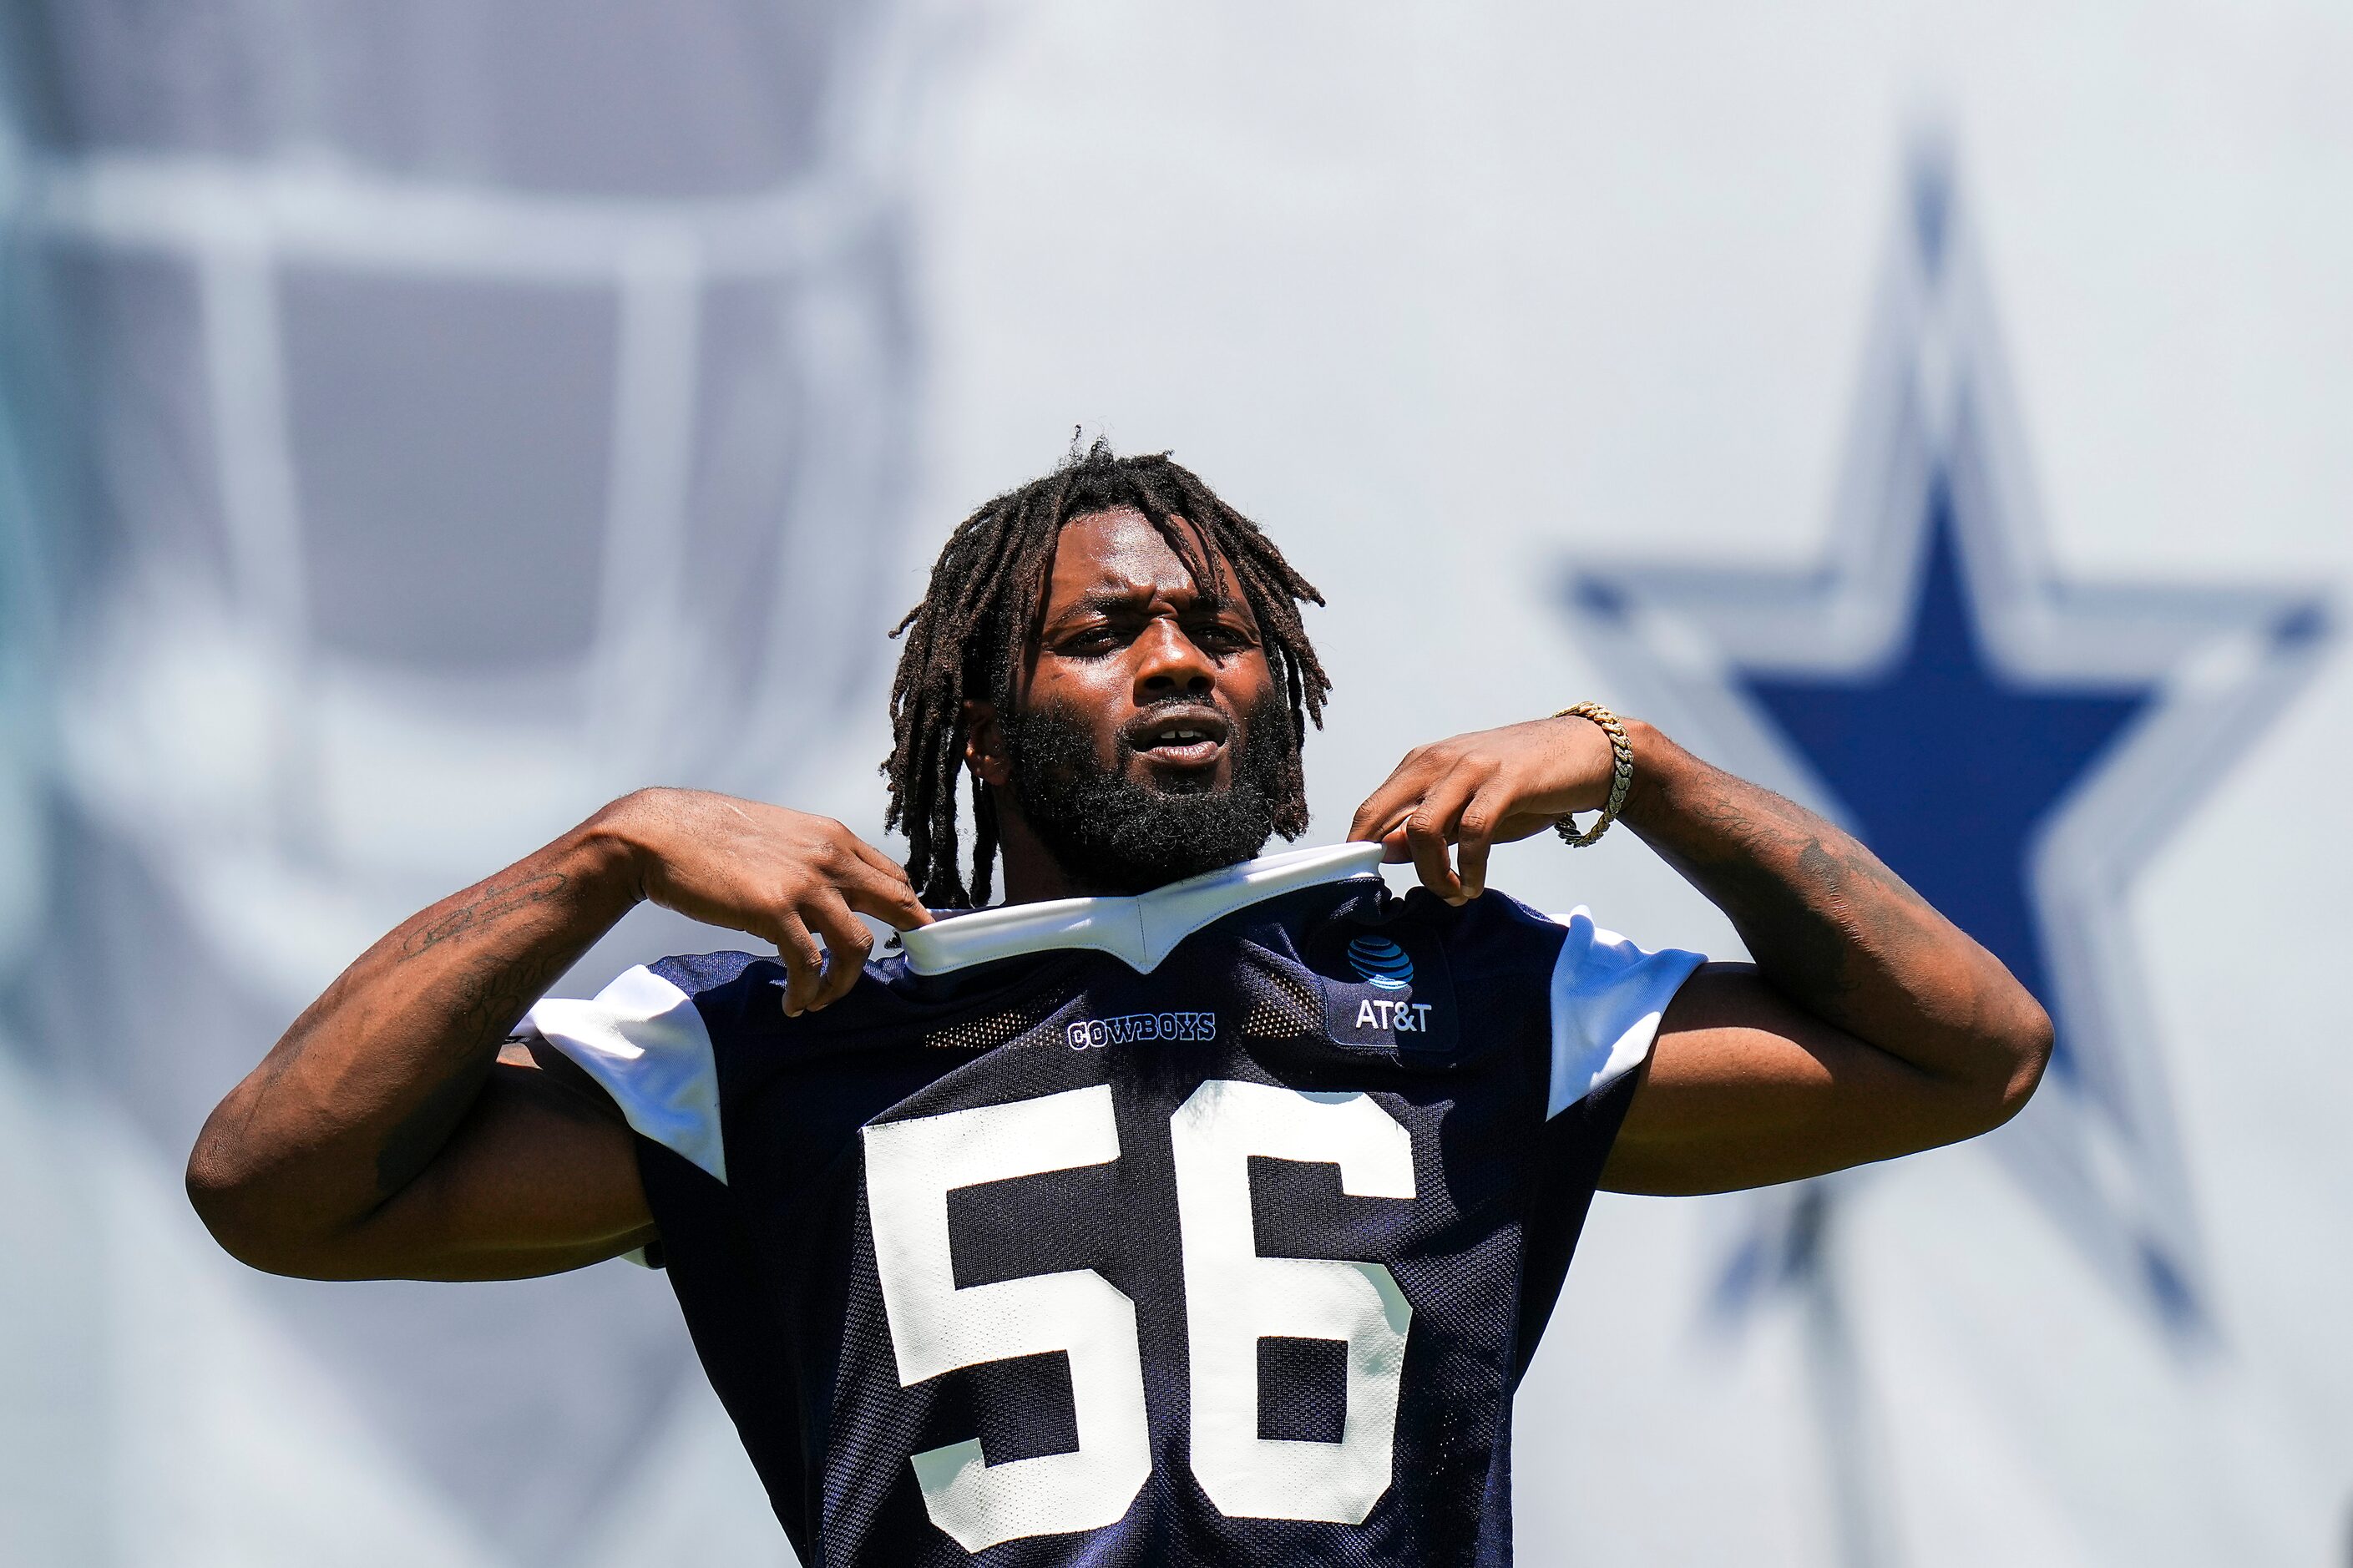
(1621, 753)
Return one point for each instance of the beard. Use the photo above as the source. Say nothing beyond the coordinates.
(1113, 834)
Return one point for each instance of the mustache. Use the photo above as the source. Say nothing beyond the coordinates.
(1112, 833)
(1213, 718)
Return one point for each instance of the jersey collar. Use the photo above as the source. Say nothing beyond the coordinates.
(1140, 930)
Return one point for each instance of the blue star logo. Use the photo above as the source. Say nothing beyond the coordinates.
(2013, 743)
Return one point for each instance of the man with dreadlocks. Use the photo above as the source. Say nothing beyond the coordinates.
(1186, 1207)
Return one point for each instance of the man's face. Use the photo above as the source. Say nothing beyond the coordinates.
(1150, 741)
(1157, 669)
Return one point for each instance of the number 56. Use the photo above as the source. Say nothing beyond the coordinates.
(1232, 1299)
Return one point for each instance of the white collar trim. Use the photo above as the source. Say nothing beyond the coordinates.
(1141, 931)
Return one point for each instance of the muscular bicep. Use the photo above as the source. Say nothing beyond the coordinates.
(540, 1177)
(1743, 1089)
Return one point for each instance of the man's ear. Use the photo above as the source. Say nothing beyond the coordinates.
(984, 744)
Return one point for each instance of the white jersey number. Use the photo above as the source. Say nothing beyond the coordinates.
(1232, 1299)
(937, 1328)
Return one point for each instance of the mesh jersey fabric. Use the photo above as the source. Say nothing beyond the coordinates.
(1262, 1242)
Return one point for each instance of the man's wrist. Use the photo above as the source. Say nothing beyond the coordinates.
(621, 845)
(1620, 780)
(1658, 761)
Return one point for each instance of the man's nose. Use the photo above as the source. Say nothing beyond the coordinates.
(1168, 663)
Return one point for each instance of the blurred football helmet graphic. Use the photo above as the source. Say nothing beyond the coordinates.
(479, 411)
(423, 423)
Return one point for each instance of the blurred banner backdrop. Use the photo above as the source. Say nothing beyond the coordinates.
(421, 424)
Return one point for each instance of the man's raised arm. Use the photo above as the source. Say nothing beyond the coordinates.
(395, 1130)
(1869, 1025)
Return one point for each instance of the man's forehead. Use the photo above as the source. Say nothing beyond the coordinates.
(1120, 554)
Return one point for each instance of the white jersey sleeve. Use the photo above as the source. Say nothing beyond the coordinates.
(645, 1043)
(1607, 997)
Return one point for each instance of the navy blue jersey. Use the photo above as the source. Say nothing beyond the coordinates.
(1213, 1226)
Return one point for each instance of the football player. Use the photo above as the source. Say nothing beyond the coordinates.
(1183, 1207)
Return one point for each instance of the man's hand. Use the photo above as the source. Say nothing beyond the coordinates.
(783, 875)
(1491, 787)
(394, 1132)
(1869, 1025)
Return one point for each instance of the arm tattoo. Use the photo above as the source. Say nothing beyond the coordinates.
(493, 905)
(1814, 906)
(492, 990)
(494, 993)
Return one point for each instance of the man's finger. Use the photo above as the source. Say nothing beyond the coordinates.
(847, 942)
(1385, 808)
(1429, 829)
(804, 963)
(1475, 834)
(883, 865)
(1372, 818)
(888, 898)
(1387, 827)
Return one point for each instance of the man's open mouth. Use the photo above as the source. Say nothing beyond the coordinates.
(1180, 738)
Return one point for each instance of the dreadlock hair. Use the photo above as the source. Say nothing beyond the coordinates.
(975, 631)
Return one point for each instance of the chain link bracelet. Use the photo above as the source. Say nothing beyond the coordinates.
(1621, 752)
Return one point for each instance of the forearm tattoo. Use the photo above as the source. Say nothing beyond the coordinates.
(488, 907)
(488, 992)
(1818, 912)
